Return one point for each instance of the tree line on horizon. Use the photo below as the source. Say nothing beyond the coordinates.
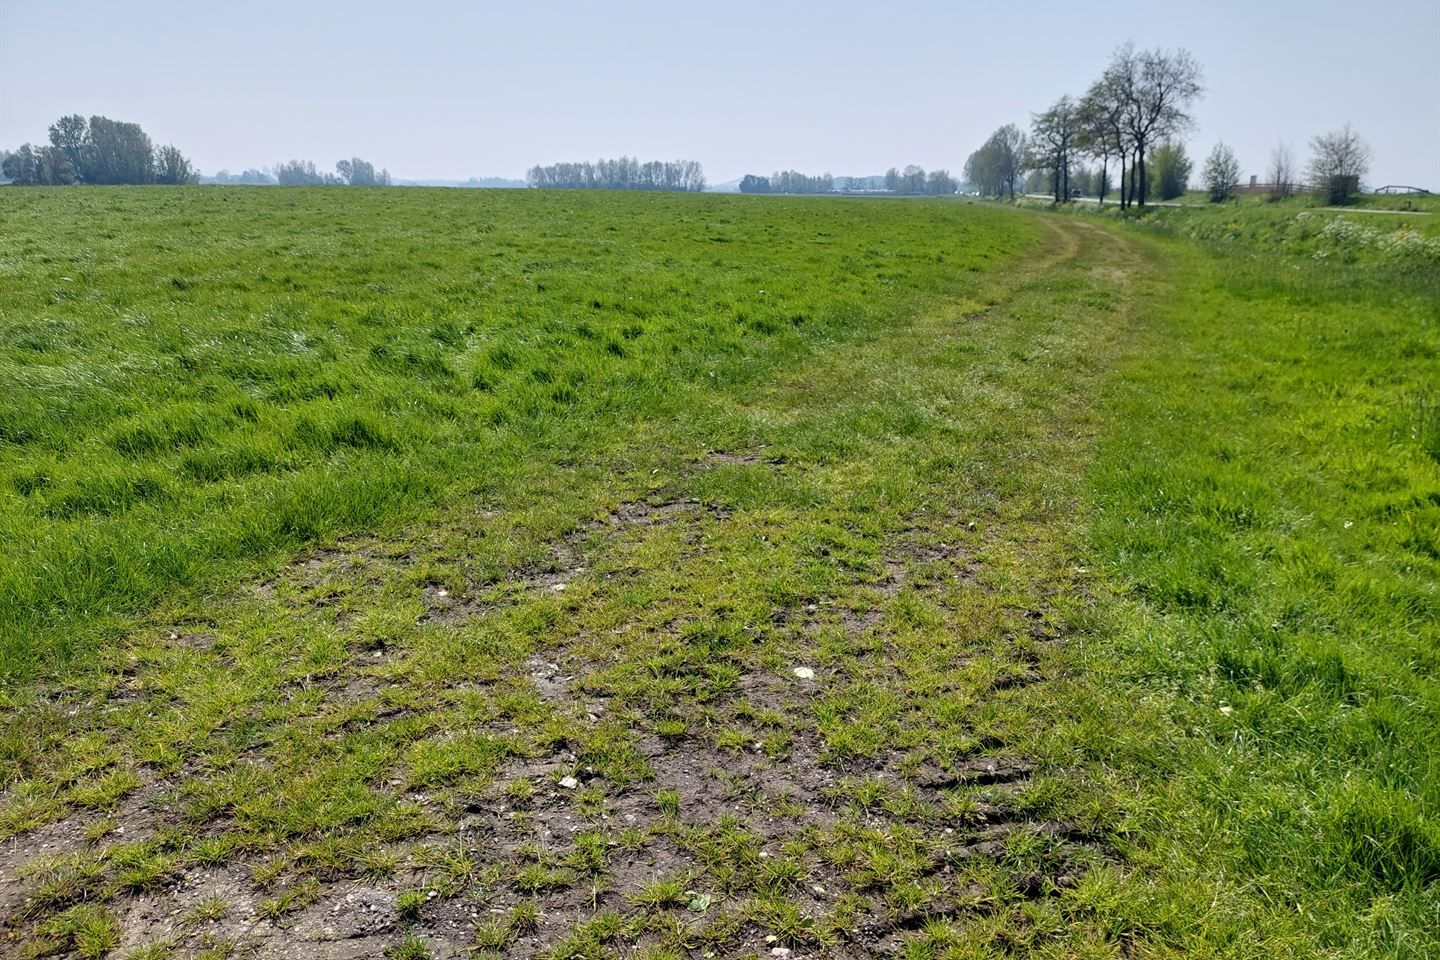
(912, 181)
(105, 151)
(354, 172)
(1134, 116)
(620, 173)
(98, 150)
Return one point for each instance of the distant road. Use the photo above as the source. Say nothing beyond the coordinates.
(1169, 203)
(1152, 203)
(1403, 213)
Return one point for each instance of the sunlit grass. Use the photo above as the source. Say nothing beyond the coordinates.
(664, 576)
(195, 383)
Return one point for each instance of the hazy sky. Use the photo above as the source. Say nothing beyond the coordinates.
(435, 89)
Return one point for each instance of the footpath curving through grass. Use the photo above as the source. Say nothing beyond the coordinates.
(583, 575)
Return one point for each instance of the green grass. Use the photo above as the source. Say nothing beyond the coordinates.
(198, 383)
(587, 575)
(1267, 510)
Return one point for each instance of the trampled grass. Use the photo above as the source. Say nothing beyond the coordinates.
(584, 575)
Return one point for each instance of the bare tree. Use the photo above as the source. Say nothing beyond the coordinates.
(1340, 159)
(1099, 132)
(1052, 142)
(1282, 171)
(1158, 87)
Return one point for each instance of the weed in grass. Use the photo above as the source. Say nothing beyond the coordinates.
(207, 910)
(154, 951)
(524, 916)
(411, 947)
(662, 892)
(289, 900)
(409, 903)
(87, 931)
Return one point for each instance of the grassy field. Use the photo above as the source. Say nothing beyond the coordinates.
(437, 574)
(195, 382)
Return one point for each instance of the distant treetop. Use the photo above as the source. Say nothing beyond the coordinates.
(99, 150)
(623, 173)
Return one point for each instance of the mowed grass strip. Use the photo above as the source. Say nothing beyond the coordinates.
(196, 383)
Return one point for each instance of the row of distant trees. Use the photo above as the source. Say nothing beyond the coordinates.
(912, 181)
(251, 176)
(353, 173)
(1141, 101)
(303, 173)
(1134, 116)
(621, 173)
(788, 181)
(98, 150)
(1339, 161)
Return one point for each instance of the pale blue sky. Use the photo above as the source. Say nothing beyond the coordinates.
(451, 89)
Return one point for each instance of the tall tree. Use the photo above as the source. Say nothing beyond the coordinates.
(1339, 159)
(994, 168)
(939, 183)
(33, 166)
(1221, 173)
(912, 180)
(117, 152)
(68, 134)
(1100, 129)
(1052, 140)
(361, 173)
(1159, 87)
(300, 173)
(21, 167)
(1171, 168)
(1282, 171)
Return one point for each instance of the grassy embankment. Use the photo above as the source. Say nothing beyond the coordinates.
(1267, 497)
